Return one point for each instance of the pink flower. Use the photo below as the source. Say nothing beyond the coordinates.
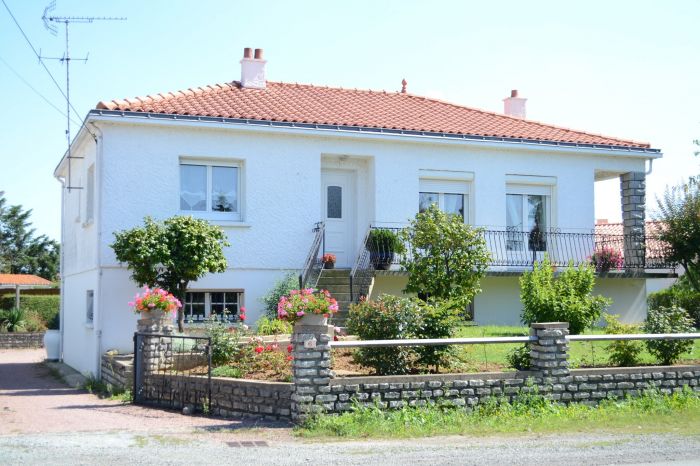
(300, 314)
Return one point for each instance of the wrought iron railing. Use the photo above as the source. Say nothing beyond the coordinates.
(516, 249)
(308, 277)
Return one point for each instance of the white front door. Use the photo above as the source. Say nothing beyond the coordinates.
(338, 211)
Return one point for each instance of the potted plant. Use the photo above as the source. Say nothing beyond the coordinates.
(382, 244)
(310, 306)
(154, 303)
(607, 258)
(328, 260)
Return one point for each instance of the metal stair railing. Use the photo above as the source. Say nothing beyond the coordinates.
(310, 273)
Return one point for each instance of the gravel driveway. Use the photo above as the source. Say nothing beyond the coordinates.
(43, 422)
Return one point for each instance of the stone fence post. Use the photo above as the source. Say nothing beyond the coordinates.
(632, 195)
(311, 371)
(550, 353)
(155, 351)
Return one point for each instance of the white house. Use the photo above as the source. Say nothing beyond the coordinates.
(268, 160)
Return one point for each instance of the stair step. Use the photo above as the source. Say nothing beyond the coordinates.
(333, 288)
(335, 272)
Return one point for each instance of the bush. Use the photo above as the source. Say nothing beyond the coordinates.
(668, 320)
(681, 295)
(566, 298)
(46, 307)
(620, 352)
(267, 326)
(519, 358)
(438, 320)
(227, 371)
(383, 240)
(387, 318)
(281, 288)
(225, 341)
(12, 320)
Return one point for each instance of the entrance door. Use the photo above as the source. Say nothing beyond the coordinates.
(338, 211)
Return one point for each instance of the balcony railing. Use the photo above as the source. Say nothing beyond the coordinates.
(517, 250)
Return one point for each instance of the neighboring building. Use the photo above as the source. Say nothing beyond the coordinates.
(268, 160)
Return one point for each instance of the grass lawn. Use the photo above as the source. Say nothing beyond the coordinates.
(583, 354)
(652, 412)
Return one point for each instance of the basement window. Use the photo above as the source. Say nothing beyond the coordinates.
(200, 305)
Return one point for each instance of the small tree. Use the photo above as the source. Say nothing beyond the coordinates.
(172, 253)
(668, 320)
(566, 298)
(448, 258)
(679, 211)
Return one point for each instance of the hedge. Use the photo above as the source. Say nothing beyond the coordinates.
(678, 295)
(44, 307)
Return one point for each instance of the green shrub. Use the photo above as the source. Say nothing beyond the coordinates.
(668, 320)
(566, 298)
(384, 240)
(387, 318)
(621, 352)
(519, 358)
(681, 295)
(437, 320)
(225, 341)
(267, 326)
(45, 307)
(228, 371)
(12, 320)
(281, 288)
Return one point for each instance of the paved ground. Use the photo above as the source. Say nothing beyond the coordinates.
(43, 422)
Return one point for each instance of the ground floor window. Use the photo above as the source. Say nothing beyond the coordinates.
(202, 304)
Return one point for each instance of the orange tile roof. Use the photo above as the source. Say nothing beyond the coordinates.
(303, 103)
(22, 279)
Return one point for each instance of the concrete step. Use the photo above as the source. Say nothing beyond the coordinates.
(333, 288)
(335, 272)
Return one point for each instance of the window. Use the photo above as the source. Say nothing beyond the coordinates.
(527, 217)
(201, 304)
(211, 188)
(334, 199)
(90, 195)
(89, 306)
(450, 196)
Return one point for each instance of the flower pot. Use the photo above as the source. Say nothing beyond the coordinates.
(314, 319)
(329, 265)
(381, 260)
(52, 344)
(154, 314)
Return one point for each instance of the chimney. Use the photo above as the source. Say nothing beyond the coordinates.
(253, 69)
(514, 106)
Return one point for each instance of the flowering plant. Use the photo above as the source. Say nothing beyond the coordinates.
(328, 258)
(607, 258)
(300, 302)
(155, 299)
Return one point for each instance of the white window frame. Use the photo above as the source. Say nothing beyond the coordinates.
(209, 163)
(442, 186)
(89, 307)
(207, 301)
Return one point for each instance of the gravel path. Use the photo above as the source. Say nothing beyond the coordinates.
(43, 422)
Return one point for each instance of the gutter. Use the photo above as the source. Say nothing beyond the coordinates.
(366, 131)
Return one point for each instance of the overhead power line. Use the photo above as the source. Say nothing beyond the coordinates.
(21, 78)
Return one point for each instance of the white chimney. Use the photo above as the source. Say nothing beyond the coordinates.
(514, 106)
(253, 69)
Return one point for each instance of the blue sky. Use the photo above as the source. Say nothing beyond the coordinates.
(624, 68)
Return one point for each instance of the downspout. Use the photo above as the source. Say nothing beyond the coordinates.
(651, 166)
(61, 269)
(97, 215)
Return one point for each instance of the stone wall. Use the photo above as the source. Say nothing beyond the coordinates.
(229, 397)
(21, 340)
(118, 370)
(588, 386)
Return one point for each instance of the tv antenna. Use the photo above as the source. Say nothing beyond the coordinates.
(50, 23)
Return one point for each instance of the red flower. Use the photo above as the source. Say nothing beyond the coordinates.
(259, 349)
(268, 348)
(335, 337)
(290, 348)
(290, 357)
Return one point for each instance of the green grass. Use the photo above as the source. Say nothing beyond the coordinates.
(652, 412)
(582, 354)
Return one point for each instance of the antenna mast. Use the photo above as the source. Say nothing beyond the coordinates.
(49, 24)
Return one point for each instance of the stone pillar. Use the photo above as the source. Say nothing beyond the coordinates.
(156, 345)
(633, 195)
(311, 370)
(550, 353)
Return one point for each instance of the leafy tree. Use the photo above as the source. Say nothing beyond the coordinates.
(20, 250)
(566, 298)
(679, 210)
(172, 253)
(449, 258)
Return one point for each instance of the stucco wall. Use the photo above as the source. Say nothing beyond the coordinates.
(80, 338)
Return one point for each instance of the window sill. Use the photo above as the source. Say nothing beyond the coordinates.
(88, 223)
(89, 325)
(230, 223)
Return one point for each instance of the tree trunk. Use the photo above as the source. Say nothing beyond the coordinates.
(181, 291)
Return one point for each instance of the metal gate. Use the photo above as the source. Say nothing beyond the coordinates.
(172, 371)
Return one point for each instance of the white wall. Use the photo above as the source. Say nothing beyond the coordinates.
(80, 340)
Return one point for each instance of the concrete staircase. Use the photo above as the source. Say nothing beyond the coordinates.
(337, 282)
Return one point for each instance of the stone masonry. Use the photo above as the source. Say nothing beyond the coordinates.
(311, 370)
(21, 340)
(549, 354)
(633, 196)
